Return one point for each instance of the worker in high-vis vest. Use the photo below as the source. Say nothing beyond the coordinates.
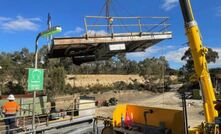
(10, 109)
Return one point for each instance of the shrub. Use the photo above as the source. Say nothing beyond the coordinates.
(119, 85)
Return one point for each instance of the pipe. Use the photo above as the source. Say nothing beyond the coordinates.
(185, 113)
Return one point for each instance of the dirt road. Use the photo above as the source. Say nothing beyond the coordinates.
(165, 100)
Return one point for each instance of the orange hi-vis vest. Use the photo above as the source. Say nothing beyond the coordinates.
(10, 107)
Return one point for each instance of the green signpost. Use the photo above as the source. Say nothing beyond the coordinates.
(35, 79)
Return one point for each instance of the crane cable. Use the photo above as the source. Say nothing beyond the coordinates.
(163, 75)
(128, 12)
(162, 52)
(100, 12)
(121, 21)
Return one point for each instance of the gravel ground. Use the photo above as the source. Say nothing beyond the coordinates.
(165, 100)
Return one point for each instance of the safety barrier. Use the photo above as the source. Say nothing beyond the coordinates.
(45, 121)
(95, 25)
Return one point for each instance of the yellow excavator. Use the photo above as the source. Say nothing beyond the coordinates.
(139, 119)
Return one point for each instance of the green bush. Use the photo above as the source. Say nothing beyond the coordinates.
(120, 85)
(196, 94)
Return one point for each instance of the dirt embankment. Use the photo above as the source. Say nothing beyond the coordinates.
(105, 80)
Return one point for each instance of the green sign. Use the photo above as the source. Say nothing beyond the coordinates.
(35, 79)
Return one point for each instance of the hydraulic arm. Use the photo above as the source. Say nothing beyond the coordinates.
(199, 57)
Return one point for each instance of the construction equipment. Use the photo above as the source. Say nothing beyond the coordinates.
(138, 119)
(161, 121)
(149, 120)
(111, 102)
(198, 53)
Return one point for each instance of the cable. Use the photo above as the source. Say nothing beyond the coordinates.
(122, 23)
(122, 7)
(115, 2)
(100, 12)
(163, 75)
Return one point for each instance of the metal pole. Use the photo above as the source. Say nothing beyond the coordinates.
(36, 66)
(49, 27)
(34, 94)
(86, 28)
(185, 113)
(139, 23)
(21, 106)
(33, 113)
(36, 55)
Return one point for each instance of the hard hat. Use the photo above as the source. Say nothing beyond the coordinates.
(11, 97)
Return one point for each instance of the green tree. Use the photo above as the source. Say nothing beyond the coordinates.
(55, 81)
(66, 62)
(154, 68)
(133, 67)
(188, 69)
(22, 60)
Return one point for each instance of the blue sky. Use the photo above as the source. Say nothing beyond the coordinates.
(22, 20)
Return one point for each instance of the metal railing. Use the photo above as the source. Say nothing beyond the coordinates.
(129, 24)
(44, 119)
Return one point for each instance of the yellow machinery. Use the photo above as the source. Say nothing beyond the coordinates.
(134, 119)
(150, 120)
(166, 121)
(198, 53)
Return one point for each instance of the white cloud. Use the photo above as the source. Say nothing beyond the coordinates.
(136, 55)
(218, 11)
(153, 51)
(149, 52)
(176, 55)
(76, 31)
(4, 19)
(35, 19)
(172, 55)
(169, 4)
(96, 32)
(19, 24)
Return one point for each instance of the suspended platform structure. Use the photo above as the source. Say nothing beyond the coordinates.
(102, 41)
